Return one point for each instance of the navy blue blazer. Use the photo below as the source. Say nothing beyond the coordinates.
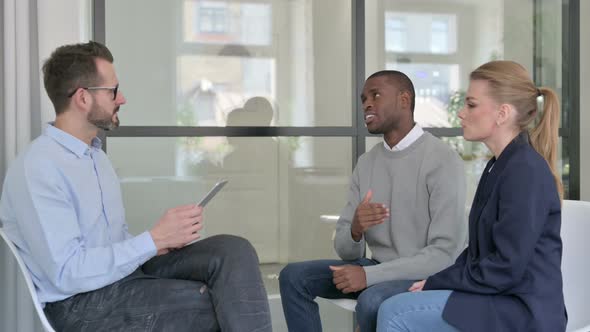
(509, 277)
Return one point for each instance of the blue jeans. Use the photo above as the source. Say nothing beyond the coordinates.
(419, 311)
(302, 282)
(211, 285)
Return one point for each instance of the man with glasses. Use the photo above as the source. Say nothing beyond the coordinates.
(94, 116)
(62, 207)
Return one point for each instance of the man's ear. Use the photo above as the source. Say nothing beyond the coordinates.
(405, 99)
(81, 100)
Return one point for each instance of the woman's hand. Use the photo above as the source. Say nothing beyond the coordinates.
(417, 286)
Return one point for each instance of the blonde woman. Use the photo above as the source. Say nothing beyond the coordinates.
(509, 277)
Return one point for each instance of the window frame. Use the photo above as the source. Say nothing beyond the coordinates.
(357, 131)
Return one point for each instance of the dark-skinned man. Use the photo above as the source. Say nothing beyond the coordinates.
(406, 203)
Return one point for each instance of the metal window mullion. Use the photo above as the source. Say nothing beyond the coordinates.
(571, 93)
(99, 35)
(204, 49)
(174, 131)
(99, 21)
(358, 79)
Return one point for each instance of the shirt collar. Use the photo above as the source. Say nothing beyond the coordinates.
(410, 138)
(75, 145)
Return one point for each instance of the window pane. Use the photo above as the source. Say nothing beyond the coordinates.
(295, 180)
(439, 43)
(280, 195)
(475, 156)
(563, 165)
(222, 22)
(434, 85)
(205, 58)
(416, 32)
(549, 50)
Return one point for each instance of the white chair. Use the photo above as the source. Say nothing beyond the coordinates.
(575, 233)
(347, 304)
(25, 273)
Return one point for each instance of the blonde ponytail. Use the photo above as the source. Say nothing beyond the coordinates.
(510, 83)
(544, 135)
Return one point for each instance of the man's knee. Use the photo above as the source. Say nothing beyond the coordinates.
(369, 301)
(235, 246)
(292, 275)
(371, 298)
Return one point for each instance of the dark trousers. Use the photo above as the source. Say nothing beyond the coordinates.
(302, 282)
(211, 285)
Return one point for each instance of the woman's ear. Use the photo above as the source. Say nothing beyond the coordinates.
(505, 112)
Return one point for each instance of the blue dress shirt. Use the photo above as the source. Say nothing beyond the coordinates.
(61, 205)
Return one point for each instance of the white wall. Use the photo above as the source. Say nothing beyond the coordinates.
(584, 101)
(60, 22)
(56, 23)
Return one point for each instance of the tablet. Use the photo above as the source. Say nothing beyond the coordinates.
(216, 188)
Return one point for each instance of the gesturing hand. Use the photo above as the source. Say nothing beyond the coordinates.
(177, 227)
(349, 278)
(367, 214)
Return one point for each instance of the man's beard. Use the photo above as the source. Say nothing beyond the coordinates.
(385, 127)
(375, 131)
(101, 119)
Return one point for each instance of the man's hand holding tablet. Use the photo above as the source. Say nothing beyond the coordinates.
(216, 188)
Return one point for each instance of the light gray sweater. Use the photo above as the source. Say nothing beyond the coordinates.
(424, 187)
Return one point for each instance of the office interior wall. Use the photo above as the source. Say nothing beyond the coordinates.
(584, 101)
(32, 29)
(518, 32)
(59, 22)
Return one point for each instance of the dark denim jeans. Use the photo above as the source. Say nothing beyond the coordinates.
(302, 282)
(211, 285)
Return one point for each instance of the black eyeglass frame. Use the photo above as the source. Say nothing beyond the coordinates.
(115, 89)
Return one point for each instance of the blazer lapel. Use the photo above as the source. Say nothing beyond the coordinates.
(487, 183)
(479, 201)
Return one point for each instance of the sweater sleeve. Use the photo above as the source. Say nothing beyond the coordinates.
(346, 247)
(447, 231)
(524, 200)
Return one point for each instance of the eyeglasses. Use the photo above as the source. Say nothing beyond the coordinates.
(115, 89)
